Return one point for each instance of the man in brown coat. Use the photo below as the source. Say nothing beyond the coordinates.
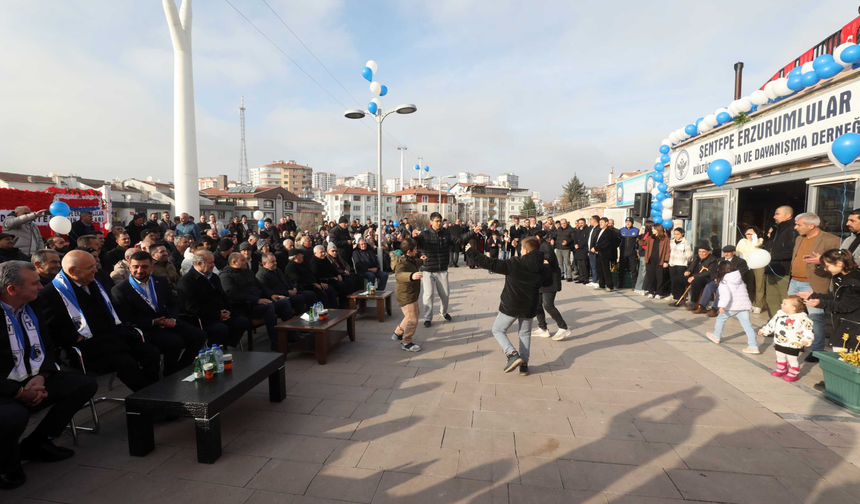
(805, 277)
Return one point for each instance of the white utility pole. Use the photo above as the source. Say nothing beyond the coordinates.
(401, 149)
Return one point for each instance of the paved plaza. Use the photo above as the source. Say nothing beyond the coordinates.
(638, 407)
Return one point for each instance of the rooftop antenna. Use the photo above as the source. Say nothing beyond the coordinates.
(244, 174)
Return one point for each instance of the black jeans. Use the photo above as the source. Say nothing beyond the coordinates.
(179, 345)
(582, 269)
(547, 303)
(604, 273)
(136, 363)
(67, 393)
(227, 333)
(676, 272)
(654, 279)
(270, 319)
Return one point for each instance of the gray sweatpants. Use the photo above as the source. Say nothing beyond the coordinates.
(432, 282)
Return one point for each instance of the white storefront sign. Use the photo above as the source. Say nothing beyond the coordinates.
(801, 131)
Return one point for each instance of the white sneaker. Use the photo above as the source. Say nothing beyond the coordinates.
(596, 286)
(659, 297)
(650, 296)
(540, 333)
(643, 293)
(756, 310)
(561, 334)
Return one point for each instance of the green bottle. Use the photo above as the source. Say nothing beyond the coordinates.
(198, 368)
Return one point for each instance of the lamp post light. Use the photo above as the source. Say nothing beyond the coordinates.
(380, 116)
(440, 192)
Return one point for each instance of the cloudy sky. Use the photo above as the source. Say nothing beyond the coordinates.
(546, 89)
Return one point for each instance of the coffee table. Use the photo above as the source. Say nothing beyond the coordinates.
(201, 400)
(383, 303)
(324, 334)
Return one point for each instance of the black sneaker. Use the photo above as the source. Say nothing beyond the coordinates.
(426, 323)
(447, 317)
(410, 347)
(811, 358)
(819, 386)
(12, 480)
(524, 369)
(396, 337)
(514, 360)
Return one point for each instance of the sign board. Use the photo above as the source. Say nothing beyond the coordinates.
(625, 190)
(802, 130)
(99, 216)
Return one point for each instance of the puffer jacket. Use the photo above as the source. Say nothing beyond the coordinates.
(843, 305)
(524, 276)
(26, 232)
(792, 331)
(406, 290)
(733, 293)
(550, 257)
(436, 245)
(781, 248)
(680, 254)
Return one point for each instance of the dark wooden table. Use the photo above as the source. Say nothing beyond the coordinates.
(383, 303)
(201, 400)
(324, 336)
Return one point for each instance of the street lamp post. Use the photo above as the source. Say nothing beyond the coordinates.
(380, 116)
(401, 149)
(440, 191)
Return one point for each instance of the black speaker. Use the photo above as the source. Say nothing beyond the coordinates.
(642, 206)
(683, 206)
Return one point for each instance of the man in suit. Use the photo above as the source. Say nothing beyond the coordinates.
(580, 251)
(147, 301)
(109, 259)
(201, 295)
(79, 313)
(593, 231)
(342, 239)
(605, 245)
(300, 273)
(81, 227)
(517, 233)
(47, 263)
(275, 281)
(241, 287)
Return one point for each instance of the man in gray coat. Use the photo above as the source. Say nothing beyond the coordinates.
(22, 226)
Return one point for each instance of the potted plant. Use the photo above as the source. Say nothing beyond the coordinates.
(842, 376)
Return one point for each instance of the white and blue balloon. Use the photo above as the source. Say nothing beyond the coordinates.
(376, 88)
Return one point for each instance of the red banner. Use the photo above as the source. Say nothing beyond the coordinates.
(77, 199)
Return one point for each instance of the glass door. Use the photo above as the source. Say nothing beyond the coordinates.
(710, 220)
(832, 203)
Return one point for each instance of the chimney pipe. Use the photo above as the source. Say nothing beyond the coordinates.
(739, 71)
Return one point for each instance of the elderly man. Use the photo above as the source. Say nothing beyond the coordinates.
(47, 263)
(22, 225)
(79, 313)
(342, 239)
(367, 264)
(161, 265)
(8, 251)
(187, 226)
(702, 269)
(147, 301)
(201, 295)
(251, 255)
(354, 282)
(301, 275)
(123, 242)
(82, 226)
(31, 382)
(711, 290)
(241, 286)
(779, 242)
(272, 279)
(805, 277)
(121, 269)
(214, 224)
(324, 270)
(166, 222)
(181, 244)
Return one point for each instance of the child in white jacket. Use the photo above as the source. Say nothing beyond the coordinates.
(734, 302)
(792, 331)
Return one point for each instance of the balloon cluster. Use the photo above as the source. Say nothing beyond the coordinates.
(824, 67)
(661, 201)
(376, 88)
(60, 222)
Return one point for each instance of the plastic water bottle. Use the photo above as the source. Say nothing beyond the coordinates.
(198, 366)
(311, 315)
(211, 358)
(219, 358)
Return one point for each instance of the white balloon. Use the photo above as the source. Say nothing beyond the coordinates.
(838, 52)
(704, 127)
(806, 68)
(667, 213)
(769, 91)
(758, 97)
(377, 102)
(668, 202)
(258, 214)
(681, 134)
(733, 108)
(372, 65)
(711, 119)
(758, 258)
(666, 141)
(744, 104)
(780, 87)
(655, 192)
(60, 225)
(375, 88)
(672, 138)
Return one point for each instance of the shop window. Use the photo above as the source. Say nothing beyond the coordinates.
(288, 205)
(268, 203)
(833, 202)
(710, 220)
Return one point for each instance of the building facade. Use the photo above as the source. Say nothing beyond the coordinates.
(481, 178)
(464, 178)
(421, 202)
(296, 178)
(366, 180)
(482, 203)
(508, 180)
(323, 181)
(274, 202)
(357, 203)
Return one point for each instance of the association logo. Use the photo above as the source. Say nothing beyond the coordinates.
(682, 165)
(619, 193)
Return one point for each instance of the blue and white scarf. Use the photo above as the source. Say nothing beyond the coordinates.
(30, 330)
(153, 303)
(70, 299)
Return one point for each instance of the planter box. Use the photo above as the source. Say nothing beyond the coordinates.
(841, 380)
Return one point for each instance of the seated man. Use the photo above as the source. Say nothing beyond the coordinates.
(367, 265)
(324, 270)
(31, 381)
(161, 265)
(79, 313)
(225, 248)
(241, 287)
(303, 277)
(8, 252)
(201, 295)
(147, 301)
(702, 269)
(711, 290)
(252, 255)
(275, 281)
(354, 282)
(47, 263)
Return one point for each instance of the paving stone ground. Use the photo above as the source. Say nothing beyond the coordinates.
(637, 407)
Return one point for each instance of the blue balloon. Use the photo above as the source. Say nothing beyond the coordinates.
(753, 109)
(723, 117)
(59, 209)
(795, 72)
(691, 129)
(658, 166)
(665, 158)
(657, 205)
(668, 223)
(660, 197)
(383, 90)
(795, 83)
(261, 223)
(851, 54)
(224, 232)
(662, 188)
(698, 121)
(664, 149)
(810, 79)
(829, 70)
(822, 60)
(367, 73)
(396, 223)
(719, 171)
(658, 177)
(655, 212)
(417, 167)
(372, 108)
(427, 168)
(845, 148)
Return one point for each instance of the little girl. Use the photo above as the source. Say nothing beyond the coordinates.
(406, 272)
(792, 330)
(734, 302)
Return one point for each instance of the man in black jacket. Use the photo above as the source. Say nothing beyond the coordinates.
(517, 232)
(147, 301)
(109, 259)
(605, 247)
(436, 243)
(201, 295)
(342, 238)
(8, 252)
(524, 276)
(31, 381)
(325, 271)
(275, 281)
(242, 288)
(79, 313)
(457, 229)
(580, 251)
(711, 291)
(564, 241)
(702, 269)
(225, 248)
(301, 275)
(780, 243)
(629, 251)
(547, 295)
(133, 229)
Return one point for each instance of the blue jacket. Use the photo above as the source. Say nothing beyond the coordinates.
(188, 228)
(629, 242)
